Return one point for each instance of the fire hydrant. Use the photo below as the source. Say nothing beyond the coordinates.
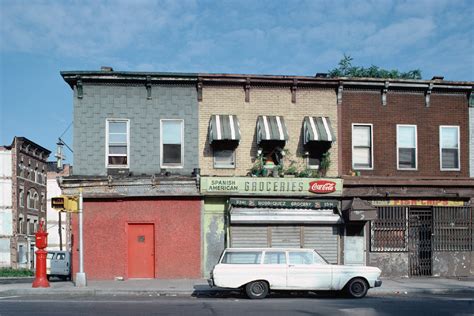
(41, 280)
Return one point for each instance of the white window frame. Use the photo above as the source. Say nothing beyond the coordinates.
(441, 148)
(21, 196)
(107, 143)
(161, 145)
(416, 148)
(371, 146)
(224, 166)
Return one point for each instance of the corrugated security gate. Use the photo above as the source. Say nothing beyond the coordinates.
(323, 238)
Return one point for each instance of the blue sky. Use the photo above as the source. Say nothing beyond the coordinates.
(38, 39)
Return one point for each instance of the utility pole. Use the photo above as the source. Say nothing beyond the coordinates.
(81, 280)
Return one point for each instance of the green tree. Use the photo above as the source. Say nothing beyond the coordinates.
(346, 69)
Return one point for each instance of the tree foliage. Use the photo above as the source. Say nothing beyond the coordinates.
(346, 69)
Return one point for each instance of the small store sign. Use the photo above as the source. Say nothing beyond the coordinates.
(416, 203)
(270, 186)
(275, 203)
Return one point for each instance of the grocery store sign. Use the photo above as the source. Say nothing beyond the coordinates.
(271, 186)
(274, 203)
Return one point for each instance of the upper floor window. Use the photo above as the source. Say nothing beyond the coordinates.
(362, 148)
(21, 196)
(118, 143)
(407, 147)
(449, 148)
(224, 158)
(172, 143)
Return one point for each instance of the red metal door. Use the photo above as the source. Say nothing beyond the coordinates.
(141, 254)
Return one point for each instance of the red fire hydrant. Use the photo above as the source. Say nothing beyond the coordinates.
(41, 280)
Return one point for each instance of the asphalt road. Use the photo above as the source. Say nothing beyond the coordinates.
(458, 304)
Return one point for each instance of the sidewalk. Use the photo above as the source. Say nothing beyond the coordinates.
(199, 287)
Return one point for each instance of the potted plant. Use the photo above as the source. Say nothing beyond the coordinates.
(325, 163)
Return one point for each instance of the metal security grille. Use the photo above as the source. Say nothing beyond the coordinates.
(452, 229)
(389, 230)
(419, 246)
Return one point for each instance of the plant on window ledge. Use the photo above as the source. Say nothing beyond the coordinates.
(325, 163)
(257, 169)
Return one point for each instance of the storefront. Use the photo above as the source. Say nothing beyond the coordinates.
(271, 212)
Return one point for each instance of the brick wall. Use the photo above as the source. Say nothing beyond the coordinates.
(359, 106)
(263, 101)
(100, 102)
(471, 143)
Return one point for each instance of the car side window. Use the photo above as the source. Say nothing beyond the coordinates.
(301, 257)
(245, 257)
(274, 258)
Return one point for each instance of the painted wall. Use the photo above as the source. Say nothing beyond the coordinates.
(214, 232)
(392, 264)
(177, 236)
(100, 102)
(5, 207)
(53, 216)
(263, 101)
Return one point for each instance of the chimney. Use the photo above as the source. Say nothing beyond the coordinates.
(437, 78)
(106, 68)
(321, 75)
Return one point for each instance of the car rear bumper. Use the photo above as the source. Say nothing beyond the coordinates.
(378, 283)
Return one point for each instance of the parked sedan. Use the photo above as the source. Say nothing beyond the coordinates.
(260, 270)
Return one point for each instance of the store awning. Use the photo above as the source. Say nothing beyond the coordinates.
(318, 129)
(224, 127)
(359, 210)
(249, 215)
(271, 128)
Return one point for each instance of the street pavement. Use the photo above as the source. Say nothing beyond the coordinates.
(199, 287)
(60, 304)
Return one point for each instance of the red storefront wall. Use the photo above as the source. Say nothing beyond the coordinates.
(177, 227)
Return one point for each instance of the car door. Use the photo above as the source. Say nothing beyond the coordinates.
(307, 273)
(274, 269)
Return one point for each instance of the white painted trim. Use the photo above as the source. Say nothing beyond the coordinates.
(416, 148)
(107, 120)
(280, 128)
(371, 145)
(441, 148)
(218, 127)
(267, 129)
(182, 145)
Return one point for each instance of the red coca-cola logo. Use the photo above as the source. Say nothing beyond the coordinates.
(322, 186)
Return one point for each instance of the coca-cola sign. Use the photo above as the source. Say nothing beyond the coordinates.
(322, 186)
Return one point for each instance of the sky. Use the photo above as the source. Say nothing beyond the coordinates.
(38, 39)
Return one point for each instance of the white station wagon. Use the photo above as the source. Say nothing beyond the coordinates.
(260, 270)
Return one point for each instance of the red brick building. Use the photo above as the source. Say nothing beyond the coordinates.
(405, 149)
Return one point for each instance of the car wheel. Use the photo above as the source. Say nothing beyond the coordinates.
(357, 288)
(257, 289)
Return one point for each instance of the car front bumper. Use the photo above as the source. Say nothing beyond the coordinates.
(378, 283)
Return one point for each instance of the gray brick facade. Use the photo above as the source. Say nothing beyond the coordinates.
(100, 102)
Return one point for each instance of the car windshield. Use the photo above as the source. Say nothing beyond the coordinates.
(49, 255)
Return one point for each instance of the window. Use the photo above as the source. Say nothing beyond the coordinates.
(21, 197)
(118, 143)
(407, 147)
(274, 258)
(389, 232)
(449, 147)
(224, 158)
(20, 225)
(362, 153)
(301, 257)
(452, 229)
(245, 257)
(42, 202)
(171, 143)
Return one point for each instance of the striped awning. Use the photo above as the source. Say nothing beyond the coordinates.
(318, 129)
(224, 127)
(271, 128)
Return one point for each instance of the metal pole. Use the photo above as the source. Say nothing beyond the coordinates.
(81, 280)
(60, 232)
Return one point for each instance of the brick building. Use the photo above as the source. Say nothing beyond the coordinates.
(405, 149)
(257, 133)
(135, 149)
(22, 200)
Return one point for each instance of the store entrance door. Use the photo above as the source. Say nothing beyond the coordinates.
(420, 226)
